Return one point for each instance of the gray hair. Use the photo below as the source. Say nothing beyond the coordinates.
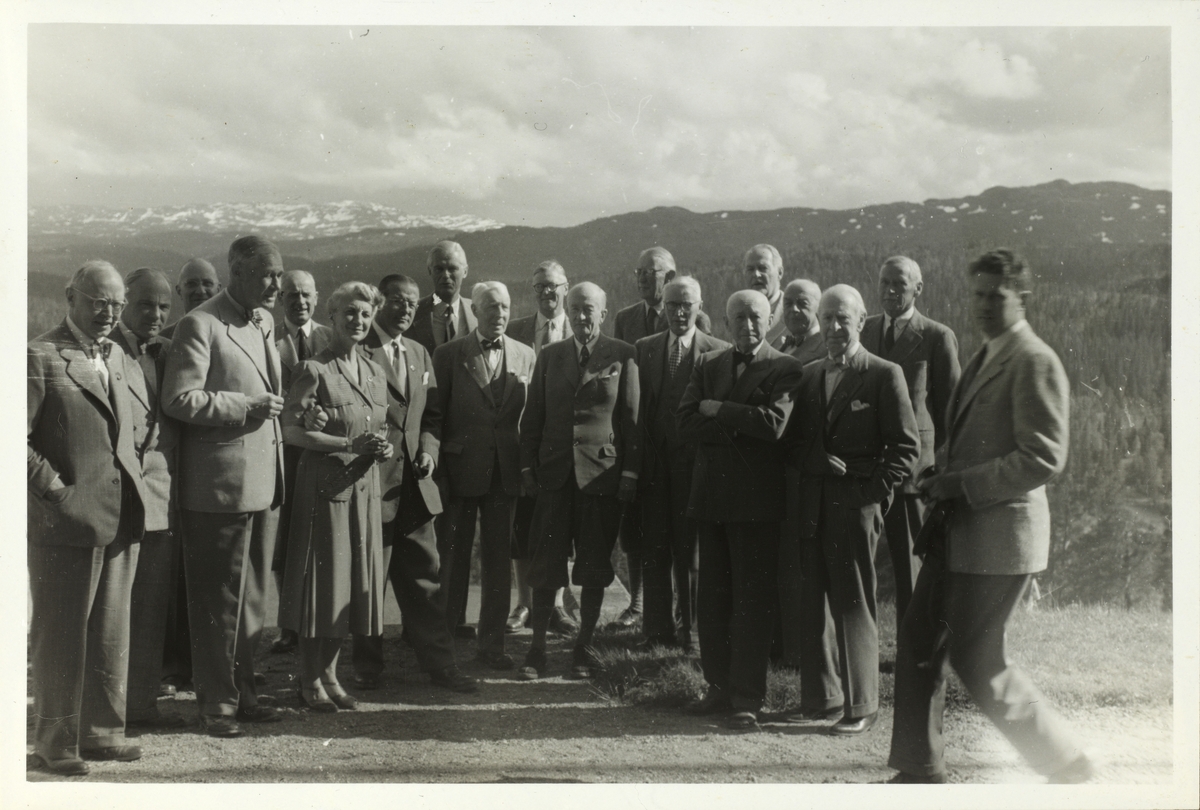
(770, 250)
(485, 287)
(250, 251)
(446, 247)
(910, 268)
(550, 265)
(845, 292)
(354, 291)
(685, 281)
(660, 253)
(88, 269)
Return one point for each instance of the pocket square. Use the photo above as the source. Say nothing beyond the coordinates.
(859, 405)
(425, 378)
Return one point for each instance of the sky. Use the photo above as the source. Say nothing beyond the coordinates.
(559, 125)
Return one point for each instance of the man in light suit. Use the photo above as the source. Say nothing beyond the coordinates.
(547, 325)
(86, 516)
(927, 352)
(301, 338)
(735, 409)
(853, 440)
(581, 452)
(155, 436)
(1006, 426)
(665, 363)
(445, 314)
(197, 283)
(223, 382)
(762, 270)
(410, 497)
(482, 378)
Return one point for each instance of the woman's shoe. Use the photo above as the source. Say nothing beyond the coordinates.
(317, 700)
(339, 696)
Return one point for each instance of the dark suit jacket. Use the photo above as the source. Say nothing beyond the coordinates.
(813, 347)
(318, 341)
(582, 421)
(630, 323)
(155, 435)
(228, 461)
(739, 460)
(1007, 438)
(476, 429)
(927, 352)
(869, 425)
(422, 329)
(77, 432)
(414, 419)
(659, 442)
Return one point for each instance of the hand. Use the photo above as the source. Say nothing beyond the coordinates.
(424, 465)
(709, 407)
(315, 418)
(836, 465)
(264, 406)
(366, 444)
(384, 452)
(944, 487)
(627, 491)
(529, 482)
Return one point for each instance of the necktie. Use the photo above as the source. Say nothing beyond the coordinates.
(301, 346)
(584, 356)
(676, 356)
(969, 375)
(651, 320)
(256, 318)
(889, 337)
(789, 341)
(449, 321)
(100, 354)
(398, 366)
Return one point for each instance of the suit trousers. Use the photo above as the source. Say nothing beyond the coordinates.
(839, 571)
(291, 461)
(495, 511)
(671, 553)
(177, 644)
(79, 643)
(153, 586)
(959, 620)
(226, 557)
(522, 525)
(901, 525)
(735, 608)
(566, 519)
(411, 560)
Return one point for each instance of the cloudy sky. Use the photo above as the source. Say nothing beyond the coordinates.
(559, 125)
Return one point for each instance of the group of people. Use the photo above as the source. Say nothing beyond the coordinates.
(749, 483)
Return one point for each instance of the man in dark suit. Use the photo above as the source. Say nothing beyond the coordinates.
(301, 338)
(735, 409)
(762, 270)
(86, 516)
(927, 352)
(222, 381)
(665, 363)
(482, 378)
(853, 440)
(801, 337)
(1006, 427)
(445, 314)
(410, 496)
(547, 325)
(154, 436)
(581, 452)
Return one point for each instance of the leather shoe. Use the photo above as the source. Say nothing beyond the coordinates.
(158, 721)
(112, 753)
(518, 621)
(714, 701)
(742, 721)
(286, 642)
(259, 714)
(534, 666)
(628, 618)
(495, 660)
(315, 700)
(813, 715)
(562, 624)
(367, 682)
(67, 766)
(849, 726)
(582, 663)
(1077, 771)
(450, 678)
(260, 679)
(465, 631)
(903, 778)
(220, 725)
(340, 697)
(167, 689)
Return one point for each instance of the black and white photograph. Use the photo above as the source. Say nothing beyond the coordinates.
(734, 403)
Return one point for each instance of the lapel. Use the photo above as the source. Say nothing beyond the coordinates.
(848, 386)
(357, 386)
(657, 354)
(476, 366)
(872, 335)
(245, 335)
(287, 350)
(723, 371)
(512, 375)
(410, 360)
(571, 358)
(994, 367)
(138, 383)
(908, 341)
(754, 373)
(598, 360)
(80, 369)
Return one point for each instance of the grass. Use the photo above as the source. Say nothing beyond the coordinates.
(1081, 657)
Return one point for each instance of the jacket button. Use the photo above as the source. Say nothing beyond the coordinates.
(117, 481)
(576, 442)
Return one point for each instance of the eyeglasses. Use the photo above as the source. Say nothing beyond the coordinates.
(542, 289)
(101, 304)
(643, 272)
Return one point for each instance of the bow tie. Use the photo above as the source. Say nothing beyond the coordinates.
(792, 340)
(491, 343)
(742, 358)
(838, 363)
(256, 318)
(99, 349)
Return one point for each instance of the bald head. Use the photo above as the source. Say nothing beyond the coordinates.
(748, 315)
(95, 298)
(842, 314)
(900, 285)
(197, 283)
(447, 267)
(655, 267)
(800, 301)
(587, 307)
(299, 293)
(149, 295)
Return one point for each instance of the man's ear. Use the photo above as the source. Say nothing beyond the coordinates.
(670, 275)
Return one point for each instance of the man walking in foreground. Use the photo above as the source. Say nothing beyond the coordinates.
(1007, 426)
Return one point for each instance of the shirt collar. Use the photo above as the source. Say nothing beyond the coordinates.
(456, 303)
(657, 309)
(591, 345)
(775, 299)
(292, 329)
(848, 356)
(994, 345)
(83, 339)
(385, 339)
(686, 340)
(753, 352)
(480, 338)
(542, 320)
(902, 320)
(133, 340)
(247, 314)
